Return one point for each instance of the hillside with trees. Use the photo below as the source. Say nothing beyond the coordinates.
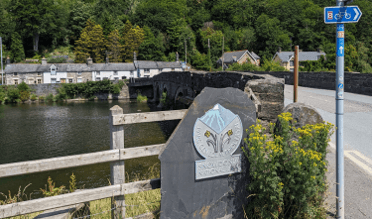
(157, 29)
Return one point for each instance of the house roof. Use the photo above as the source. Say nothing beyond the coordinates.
(73, 67)
(303, 56)
(146, 64)
(169, 64)
(231, 57)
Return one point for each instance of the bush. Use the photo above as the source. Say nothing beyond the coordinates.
(33, 97)
(287, 170)
(49, 97)
(23, 87)
(2, 95)
(243, 67)
(140, 98)
(13, 94)
(41, 98)
(163, 98)
(24, 95)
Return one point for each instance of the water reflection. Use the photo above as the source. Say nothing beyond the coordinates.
(46, 130)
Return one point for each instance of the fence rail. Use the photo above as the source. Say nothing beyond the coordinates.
(116, 156)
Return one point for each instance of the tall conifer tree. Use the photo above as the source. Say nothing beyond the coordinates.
(16, 48)
(98, 44)
(132, 38)
(114, 46)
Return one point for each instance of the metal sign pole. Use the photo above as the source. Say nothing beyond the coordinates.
(2, 72)
(340, 54)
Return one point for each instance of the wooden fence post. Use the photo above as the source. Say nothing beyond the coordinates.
(117, 168)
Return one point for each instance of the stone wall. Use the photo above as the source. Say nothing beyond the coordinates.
(268, 89)
(44, 89)
(354, 82)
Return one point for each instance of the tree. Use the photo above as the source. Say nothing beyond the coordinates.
(215, 37)
(178, 32)
(17, 53)
(114, 46)
(97, 43)
(152, 48)
(40, 17)
(132, 38)
(79, 15)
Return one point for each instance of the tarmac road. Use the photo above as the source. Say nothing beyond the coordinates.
(357, 146)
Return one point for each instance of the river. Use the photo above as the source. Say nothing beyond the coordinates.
(46, 130)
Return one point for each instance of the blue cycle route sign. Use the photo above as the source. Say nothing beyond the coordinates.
(339, 15)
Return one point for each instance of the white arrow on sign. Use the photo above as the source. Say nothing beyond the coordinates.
(356, 14)
(341, 49)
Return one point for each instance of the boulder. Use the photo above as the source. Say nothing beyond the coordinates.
(303, 114)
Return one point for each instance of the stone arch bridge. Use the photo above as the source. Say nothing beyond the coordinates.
(267, 90)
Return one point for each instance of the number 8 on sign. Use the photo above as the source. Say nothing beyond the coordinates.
(330, 15)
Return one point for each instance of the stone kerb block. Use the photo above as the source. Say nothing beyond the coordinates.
(204, 172)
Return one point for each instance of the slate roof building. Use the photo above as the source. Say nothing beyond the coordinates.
(240, 57)
(286, 59)
(79, 72)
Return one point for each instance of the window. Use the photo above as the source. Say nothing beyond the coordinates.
(69, 80)
(147, 70)
(115, 73)
(39, 74)
(291, 69)
(15, 74)
(39, 81)
(172, 69)
(79, 73)
(124, 77)
(15, 81)
(98, 73)
(291, 63)
(54, 80)
(79, 80)
(35, 82)
(116, 78)
(98, 79)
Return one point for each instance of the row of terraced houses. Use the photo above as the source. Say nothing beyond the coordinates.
(45, 73)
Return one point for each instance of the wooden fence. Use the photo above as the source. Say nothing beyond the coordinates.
(116, 155)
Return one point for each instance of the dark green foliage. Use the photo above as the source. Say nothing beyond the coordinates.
(23, 87)
(89, 89)
(152, 48)
(24, 95)
(49, 98)
(17, 53)
(33, 97)
(13, 94)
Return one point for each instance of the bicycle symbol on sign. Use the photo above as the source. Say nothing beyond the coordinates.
(342, 14)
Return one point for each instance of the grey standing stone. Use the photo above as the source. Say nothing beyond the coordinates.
(211, 198)
(303, 114)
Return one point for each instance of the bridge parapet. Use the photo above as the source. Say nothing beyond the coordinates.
(269, 90)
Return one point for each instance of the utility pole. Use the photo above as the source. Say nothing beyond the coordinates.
(209, 56)
(185, 52)
(295, 74)
(223, 44)
(2, 72)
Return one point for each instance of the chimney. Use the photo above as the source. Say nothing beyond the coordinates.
(177, 57)
(89, 61)
(44, 61)
(7, 60)
(107, 60)
(134, 56)
(280, 49)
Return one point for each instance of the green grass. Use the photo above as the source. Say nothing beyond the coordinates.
(138, 203)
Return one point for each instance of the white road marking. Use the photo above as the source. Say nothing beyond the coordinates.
(347, 154)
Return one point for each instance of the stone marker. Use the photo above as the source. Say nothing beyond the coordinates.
(204, 173)
(303, 114)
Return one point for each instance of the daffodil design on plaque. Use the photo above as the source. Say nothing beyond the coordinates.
(217, 135)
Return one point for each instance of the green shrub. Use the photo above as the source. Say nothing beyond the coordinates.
(24, 95)
(141, 98)
(49, 97)
(163, 98)
(244, 67)
(23, 87)
(116, 89)
(41, 98)
(72, 186)
(287, 170)
(13, 94)
(33, 97)
(2, 95)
